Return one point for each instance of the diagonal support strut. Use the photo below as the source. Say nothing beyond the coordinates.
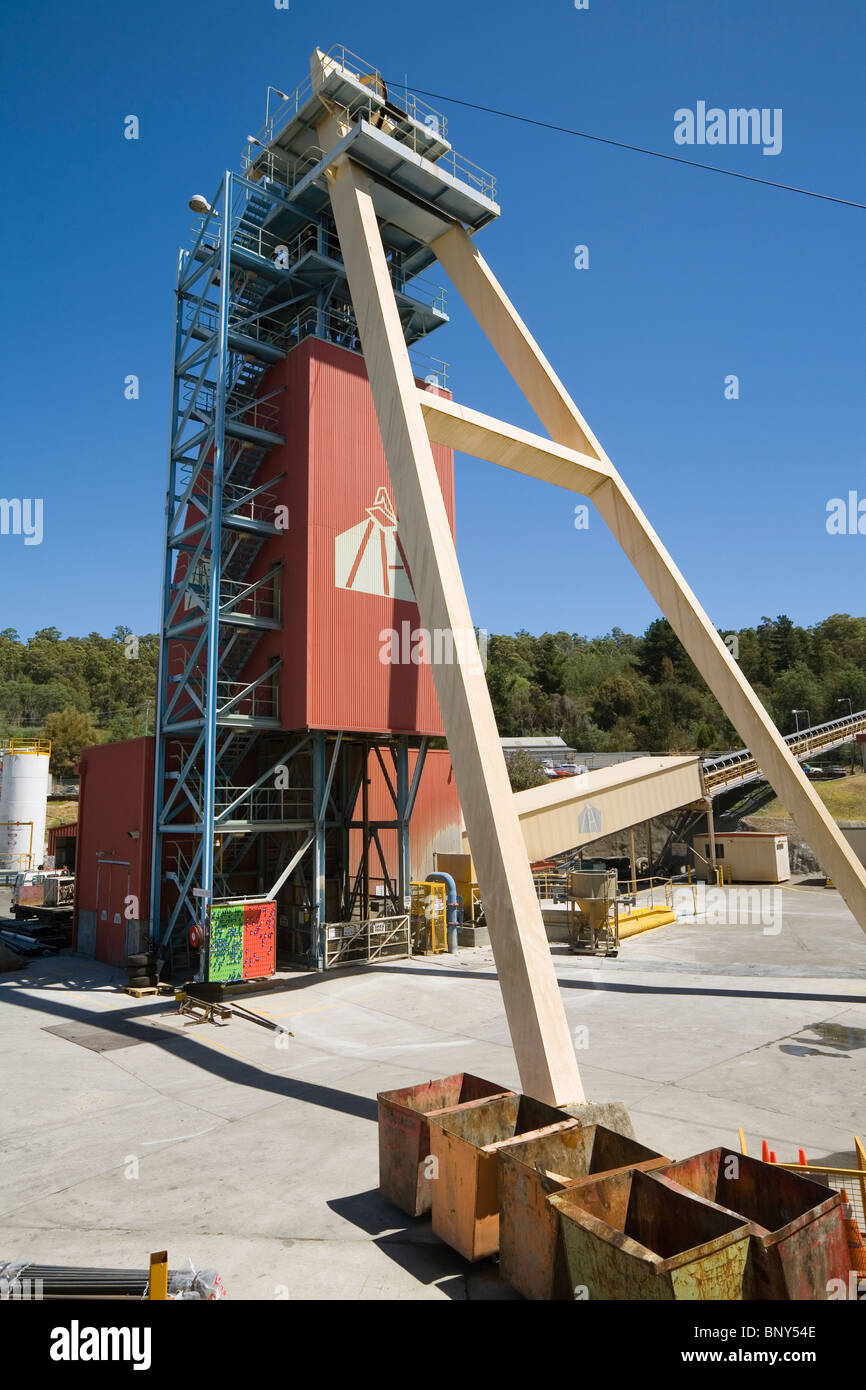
(519, 352)
(533, 1005)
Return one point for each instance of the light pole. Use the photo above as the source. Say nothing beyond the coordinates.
(846, 700)
(797, 712)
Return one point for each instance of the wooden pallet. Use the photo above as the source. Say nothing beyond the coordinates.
(140, 992)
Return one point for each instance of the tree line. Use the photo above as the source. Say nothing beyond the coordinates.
(76, 690)
(620, 692)
(617, 692)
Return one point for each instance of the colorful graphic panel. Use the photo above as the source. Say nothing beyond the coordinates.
(242, 941)
(226, 953)
(260, 939)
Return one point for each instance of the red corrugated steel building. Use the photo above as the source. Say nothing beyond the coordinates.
(112, 890)
(344, 585)
(345, 579)
(62, 844)
(435, 827)
(114, 842)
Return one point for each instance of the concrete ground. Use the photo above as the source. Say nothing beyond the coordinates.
(124, 1130)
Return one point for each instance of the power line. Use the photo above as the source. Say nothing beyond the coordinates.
(638, 149)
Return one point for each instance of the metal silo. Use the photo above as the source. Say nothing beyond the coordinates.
(23, 803)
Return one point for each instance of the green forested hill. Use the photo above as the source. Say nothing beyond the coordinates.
(614, 692)
(76, 690)
(620, 692)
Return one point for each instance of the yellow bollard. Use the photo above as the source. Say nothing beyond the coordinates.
(158, 1286)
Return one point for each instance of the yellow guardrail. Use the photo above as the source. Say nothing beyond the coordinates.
(853, 1180)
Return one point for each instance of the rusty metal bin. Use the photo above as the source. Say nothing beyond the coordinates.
(530, 1252)
(465, 1144)
(638, 1236)
(404, 1134)
(798, 1241)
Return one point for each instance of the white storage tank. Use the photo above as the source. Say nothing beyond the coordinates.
(23, 802)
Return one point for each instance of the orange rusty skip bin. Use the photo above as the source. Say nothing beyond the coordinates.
(634, 1235)
(798, 1243)
(465, 1144)
(530, 1253)
(404, 1134)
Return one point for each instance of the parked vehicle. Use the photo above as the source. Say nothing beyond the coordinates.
(48, 895)
(824, 772)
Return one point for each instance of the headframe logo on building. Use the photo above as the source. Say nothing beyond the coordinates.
(589, 819)
(369, 558)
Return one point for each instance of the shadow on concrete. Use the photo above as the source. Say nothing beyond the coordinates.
(288, 986)
(217, 1064)
(416, 1250)
(623, 988)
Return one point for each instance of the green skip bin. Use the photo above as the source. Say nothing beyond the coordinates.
(634, 1235)
(530, 1254)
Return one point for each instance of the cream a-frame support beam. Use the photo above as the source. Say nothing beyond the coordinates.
(514, 344)
(536, 1017)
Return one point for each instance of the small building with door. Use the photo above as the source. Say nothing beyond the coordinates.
(747, 856)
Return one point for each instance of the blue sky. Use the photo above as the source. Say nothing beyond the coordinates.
(692, 277)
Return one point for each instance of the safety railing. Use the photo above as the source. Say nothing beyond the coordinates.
(399, 113)
(259, 414)
(287, 106)
(376, 938)
(339, 326)
(260, 324)
(286, 255)
(11, 865)
(652, 886)
(253, 504)
(734, 767)
(239, 698)
(267, 803)
(551, 885)
(250, 600)
(852, 1180)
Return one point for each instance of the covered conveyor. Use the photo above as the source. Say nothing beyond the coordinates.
(574, 811)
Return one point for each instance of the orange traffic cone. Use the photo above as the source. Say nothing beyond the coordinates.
(856, 1247)
(765, 1151)
(773, 1158)
(802, 1158)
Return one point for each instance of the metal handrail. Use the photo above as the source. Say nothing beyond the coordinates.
(245, 409)
(264, 803)
(260, 599)
(359, 68)
(372, 108)
(311, 241)
(342, 329)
